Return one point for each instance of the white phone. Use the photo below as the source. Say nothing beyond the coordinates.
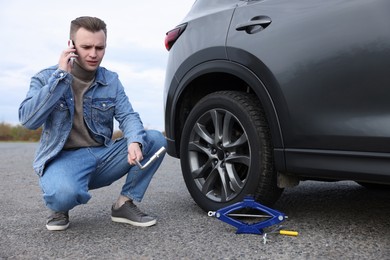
(71, 45)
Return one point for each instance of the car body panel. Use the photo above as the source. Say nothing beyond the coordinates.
(334, 85)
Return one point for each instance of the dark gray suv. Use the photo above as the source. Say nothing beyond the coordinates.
(262, 94)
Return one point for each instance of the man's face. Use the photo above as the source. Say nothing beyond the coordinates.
(90, 48)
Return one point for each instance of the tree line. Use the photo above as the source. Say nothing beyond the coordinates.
(14, 133)
(18, 133)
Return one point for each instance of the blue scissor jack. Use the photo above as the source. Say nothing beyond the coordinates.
(227, 214)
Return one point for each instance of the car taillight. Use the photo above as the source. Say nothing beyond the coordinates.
(173, 35)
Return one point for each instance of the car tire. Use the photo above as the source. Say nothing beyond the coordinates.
(226, 151)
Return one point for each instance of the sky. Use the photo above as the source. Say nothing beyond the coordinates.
(34, 33)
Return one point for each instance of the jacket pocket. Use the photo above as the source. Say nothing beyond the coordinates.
(60, 114)
(103, 110)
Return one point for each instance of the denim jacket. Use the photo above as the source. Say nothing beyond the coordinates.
(49, 103)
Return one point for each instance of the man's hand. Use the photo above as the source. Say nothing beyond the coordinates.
(63, 62)
(134, 153)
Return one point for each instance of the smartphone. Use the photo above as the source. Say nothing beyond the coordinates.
(71, 45)
(152, 159)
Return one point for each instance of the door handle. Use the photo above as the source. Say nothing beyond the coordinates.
(256, 24)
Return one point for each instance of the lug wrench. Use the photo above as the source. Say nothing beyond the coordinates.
(160, 152)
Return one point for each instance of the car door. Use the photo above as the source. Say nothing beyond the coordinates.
(327, 69)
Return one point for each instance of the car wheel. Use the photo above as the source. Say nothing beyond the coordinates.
(226, 151)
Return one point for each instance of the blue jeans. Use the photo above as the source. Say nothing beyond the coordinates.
(68, 178)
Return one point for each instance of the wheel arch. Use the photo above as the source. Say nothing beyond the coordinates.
(218, 75)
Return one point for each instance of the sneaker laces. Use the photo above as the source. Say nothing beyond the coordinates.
(59, 216)
(135, 209)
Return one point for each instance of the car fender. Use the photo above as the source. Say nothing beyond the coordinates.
(198, 69)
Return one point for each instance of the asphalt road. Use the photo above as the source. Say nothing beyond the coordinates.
(335, 221)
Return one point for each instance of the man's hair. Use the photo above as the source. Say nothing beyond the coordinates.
(92, 24)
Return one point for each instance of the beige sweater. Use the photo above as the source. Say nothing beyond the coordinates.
(79, 135)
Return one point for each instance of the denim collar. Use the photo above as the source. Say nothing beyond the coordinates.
(100, 76)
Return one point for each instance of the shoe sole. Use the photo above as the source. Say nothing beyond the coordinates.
(57, 228)
(137, 224)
